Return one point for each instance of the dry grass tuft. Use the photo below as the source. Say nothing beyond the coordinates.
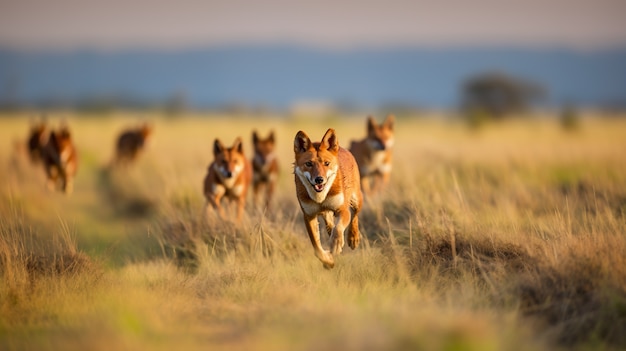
(479, 256)
(69, 263)
(191, 236)
(25, 251)
(582, 296)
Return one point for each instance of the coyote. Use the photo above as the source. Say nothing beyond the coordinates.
(229, 175)
(327, 185)
(373, 154)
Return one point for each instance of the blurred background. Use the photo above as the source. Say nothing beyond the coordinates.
(285, 56)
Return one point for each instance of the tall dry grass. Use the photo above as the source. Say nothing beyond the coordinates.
(510, 237)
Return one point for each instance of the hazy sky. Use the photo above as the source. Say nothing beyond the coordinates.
(118, 24)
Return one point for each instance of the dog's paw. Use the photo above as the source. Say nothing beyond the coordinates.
(327, 259)
(353, 240)
(337, 244)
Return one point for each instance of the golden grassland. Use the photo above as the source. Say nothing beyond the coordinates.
(510, 237)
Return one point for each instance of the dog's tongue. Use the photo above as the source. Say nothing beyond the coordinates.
(319, 187)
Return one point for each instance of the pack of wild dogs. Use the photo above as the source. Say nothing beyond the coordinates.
(330, 180)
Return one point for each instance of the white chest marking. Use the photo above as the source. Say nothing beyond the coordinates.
(331, 203)
(334, 202)
(65, 155)
(218, 189)
(237, 190)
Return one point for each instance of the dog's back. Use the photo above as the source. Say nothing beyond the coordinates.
(130, 144)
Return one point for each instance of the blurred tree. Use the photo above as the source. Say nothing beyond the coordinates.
(177, 104)
(570, 118)
(496, 95)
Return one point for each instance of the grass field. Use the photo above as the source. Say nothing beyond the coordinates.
(510, 237)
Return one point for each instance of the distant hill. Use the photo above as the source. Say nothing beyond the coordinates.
(279, 76)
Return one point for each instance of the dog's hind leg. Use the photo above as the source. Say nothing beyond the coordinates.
(354, 237)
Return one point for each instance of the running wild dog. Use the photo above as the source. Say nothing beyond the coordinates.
(373, 154)
(229, 175)
(131, 143)
(327, 186)
(37, 140)
(264, 167)
(60, 160)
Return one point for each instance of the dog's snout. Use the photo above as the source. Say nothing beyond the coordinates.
(228, 174)
(319, 180)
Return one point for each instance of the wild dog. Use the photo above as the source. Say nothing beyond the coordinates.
(373, 154)
(37, 140)
(264, 167)
(131, 143)
(229, 175)
(327, 186)
(60, 160)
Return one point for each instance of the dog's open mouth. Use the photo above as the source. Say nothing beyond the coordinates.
(318, 187)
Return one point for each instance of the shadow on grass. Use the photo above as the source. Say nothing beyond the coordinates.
(124, 191)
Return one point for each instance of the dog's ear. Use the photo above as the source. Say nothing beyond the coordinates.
(64, 131)
(218, 147)
(330, 141)
(271, 137)
(389, 121)
(53, 138)
(238, 145)
(255, 137)
(146, 128)
(371, 124)
(301, 143)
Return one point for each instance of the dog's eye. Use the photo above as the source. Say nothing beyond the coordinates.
(326, 163)
(308, 164)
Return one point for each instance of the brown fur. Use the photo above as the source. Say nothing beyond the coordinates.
(37, 140)
(60, 160)
(229, 175)
(265, 167)
(131, 143)
(374, 155)
(327, 185)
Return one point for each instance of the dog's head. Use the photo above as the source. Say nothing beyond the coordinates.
(62, 138)
(229, 162)
(263, 148)
(316, 163)
(145, 130)
(380, 136)
(38, 136)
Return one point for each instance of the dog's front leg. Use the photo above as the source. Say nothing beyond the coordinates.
(329, 220)
(313, 228)
(337, 238)
(269, 193)
(241, 203)
(214, 200)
